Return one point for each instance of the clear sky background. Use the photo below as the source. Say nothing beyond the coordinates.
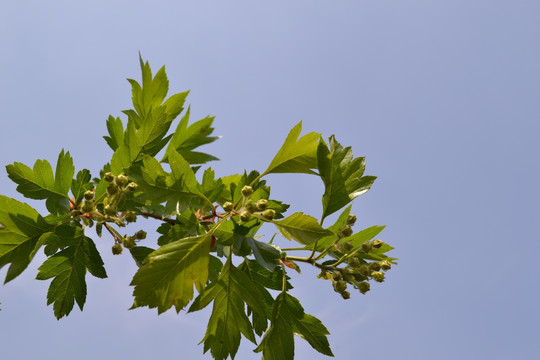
(442, 97)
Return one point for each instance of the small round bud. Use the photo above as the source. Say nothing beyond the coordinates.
(269, 214)
(121, 180)
(227, 206)
(141, 235)
(89, 195)
(88, 207)
(251, 207)
(117, 249)
(364, 270)
(354, 263)
(375, 266)
(340, 286)
(386, 265)
(128, 242)
(245, 216)
(109, 177)
(132, 187)
(366, 247)
(364, 287)
(378, 276)
(247, 191)
(336, 276)
(377, 244)
(262, 204)
(112, 189)
(347, 246)
(130, 216)
(346, 231)
(346, 295)
(110, 210)
(351, 220)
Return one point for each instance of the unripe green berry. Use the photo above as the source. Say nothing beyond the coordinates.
(347, 246)
(227, 206)
(141, 235)
(117, 249)
(386, 265)
(366, 247)
(336, 276)
(247, 191)
(377, 244)
(121, 180)
(88, 207)
(128, 242)
(245, 216)
(346, 295)
(364, 270)
(269, 214)
(340, 286)
(130, 217)
(378, 276)
(351, 220)
(354, 263)
(262, 204)
(375, 266)
(110, 210)
(89, 195)
(132, 187)
(364, 287)
(112, 189)
(251, 207)
(109, 177)
(346, 231)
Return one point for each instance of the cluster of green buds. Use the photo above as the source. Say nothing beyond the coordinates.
(128, 242)
(249, 207)
(119, 185)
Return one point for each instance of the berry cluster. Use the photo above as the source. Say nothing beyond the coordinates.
(249, 208)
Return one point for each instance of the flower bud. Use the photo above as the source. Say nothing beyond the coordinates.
(121, 180)
(354, 263)
(346, 231)
(117, 249)
(378, 276)
(364, 287)
(351, 220)
(336, 276)
(141, 235)
(346, 295)
(262, 204)
(251, 207)
(88, 207)
(227, 206)
(89, 195)
(132, 187)
(340, 286)
(110, 210)
(364, 270)
(109, 177)
(377, 244)
(366, 247)
(247, 191)
(112, 189)
(128, 242)
(375, 266)
(269, 214)
(386, 265)
(245, 216)
(130, 217)
(347, 246)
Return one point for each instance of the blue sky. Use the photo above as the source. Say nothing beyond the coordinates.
(442, 97)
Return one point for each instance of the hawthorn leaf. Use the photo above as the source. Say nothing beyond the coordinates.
(21, 235)
(303, 228)
(288, 318)
(68, 268)
(116, 132)
(232, 290)
(169, 273)
(296, 155)
(342, 176)
(139, 253)
(81, 184)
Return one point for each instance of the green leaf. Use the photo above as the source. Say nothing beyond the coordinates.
(68, 268)
(296, 155)
(187, 138)
(39, 183)
(139, 253)
(169, 273)
(288, 318)
(230, 293)
(20, 238)
(116, 132)
(302, 228)
(342, 176)
(81, 184)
